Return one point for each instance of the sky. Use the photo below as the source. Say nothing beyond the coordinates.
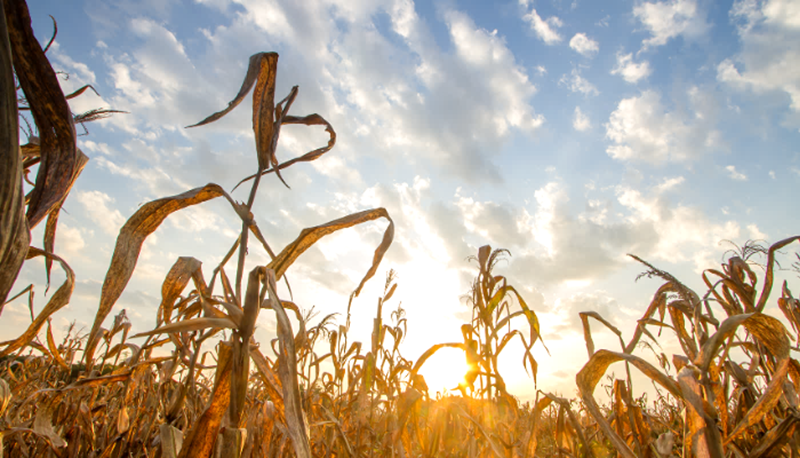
(568, 132)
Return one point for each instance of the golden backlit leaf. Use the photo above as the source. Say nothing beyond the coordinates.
(593, 371)
(199, 441)
(194, 324)
(129, 243)
(51, 345)
(58, 300)
(52, 217)
(178, 276)
(309, 236)
(287, 371)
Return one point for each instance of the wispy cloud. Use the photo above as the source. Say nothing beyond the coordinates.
(580, 121)
(577, 83)
(546, 30)
(734, 174)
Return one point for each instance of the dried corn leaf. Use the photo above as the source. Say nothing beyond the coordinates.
(310, 120)
(309, 236)
(52, 217)
(768, 275)
(14, 234)
(287, 371)
(593, 371)
(59, 299)
(199, 441)
(178, 276)
(194, 324)
(43, 424)
(171, 441)
(50, 111)
(129, 243)
(51, 345)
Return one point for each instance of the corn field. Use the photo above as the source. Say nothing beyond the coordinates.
(731, 392)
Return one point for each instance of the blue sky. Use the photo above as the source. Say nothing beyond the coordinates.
(569, 132)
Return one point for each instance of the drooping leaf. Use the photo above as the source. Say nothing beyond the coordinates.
(14, 234)
(129, 243)
(178, 276)
(287, 371)
(309, 236)
(59, 299)
(51, 113)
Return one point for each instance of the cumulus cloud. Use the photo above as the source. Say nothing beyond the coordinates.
(99, 209)
(592, 244)
(500, 225)
(735, 174)
(577, 83)
(769, 61)
(69, 240)
(584, 45)
(546, 30)
(669, 19)
(631, 71)
(641, 129)
(580, 121)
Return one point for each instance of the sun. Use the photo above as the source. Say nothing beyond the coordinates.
(444, 371)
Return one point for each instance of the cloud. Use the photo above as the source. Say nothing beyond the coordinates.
(769, 61)
(576, 83)
(684, 233)
(580, 121)
(569, 309)
(545, 30)
(669, 19)
(641, 129)
(734, 174)
(584, 45)
(590, 245)
(497, 224)
(69, 240)
(631, 71)
(97, 206)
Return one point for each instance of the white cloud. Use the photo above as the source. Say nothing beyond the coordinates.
(584, 45)
(755, 233)
(684, 233)
(569, 309)
(497, 224)
(772, 174)
(100, 148)
(734, 174)
(576, 83)
(641, 129)
(631, 71)
(545, 30)
(580, 121)
(69, 240)
(97, 206)
(669, 19)
(770, 59)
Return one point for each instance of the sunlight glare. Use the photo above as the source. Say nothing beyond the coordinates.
(444, 371)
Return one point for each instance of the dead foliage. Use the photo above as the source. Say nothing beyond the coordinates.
(731, 392)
